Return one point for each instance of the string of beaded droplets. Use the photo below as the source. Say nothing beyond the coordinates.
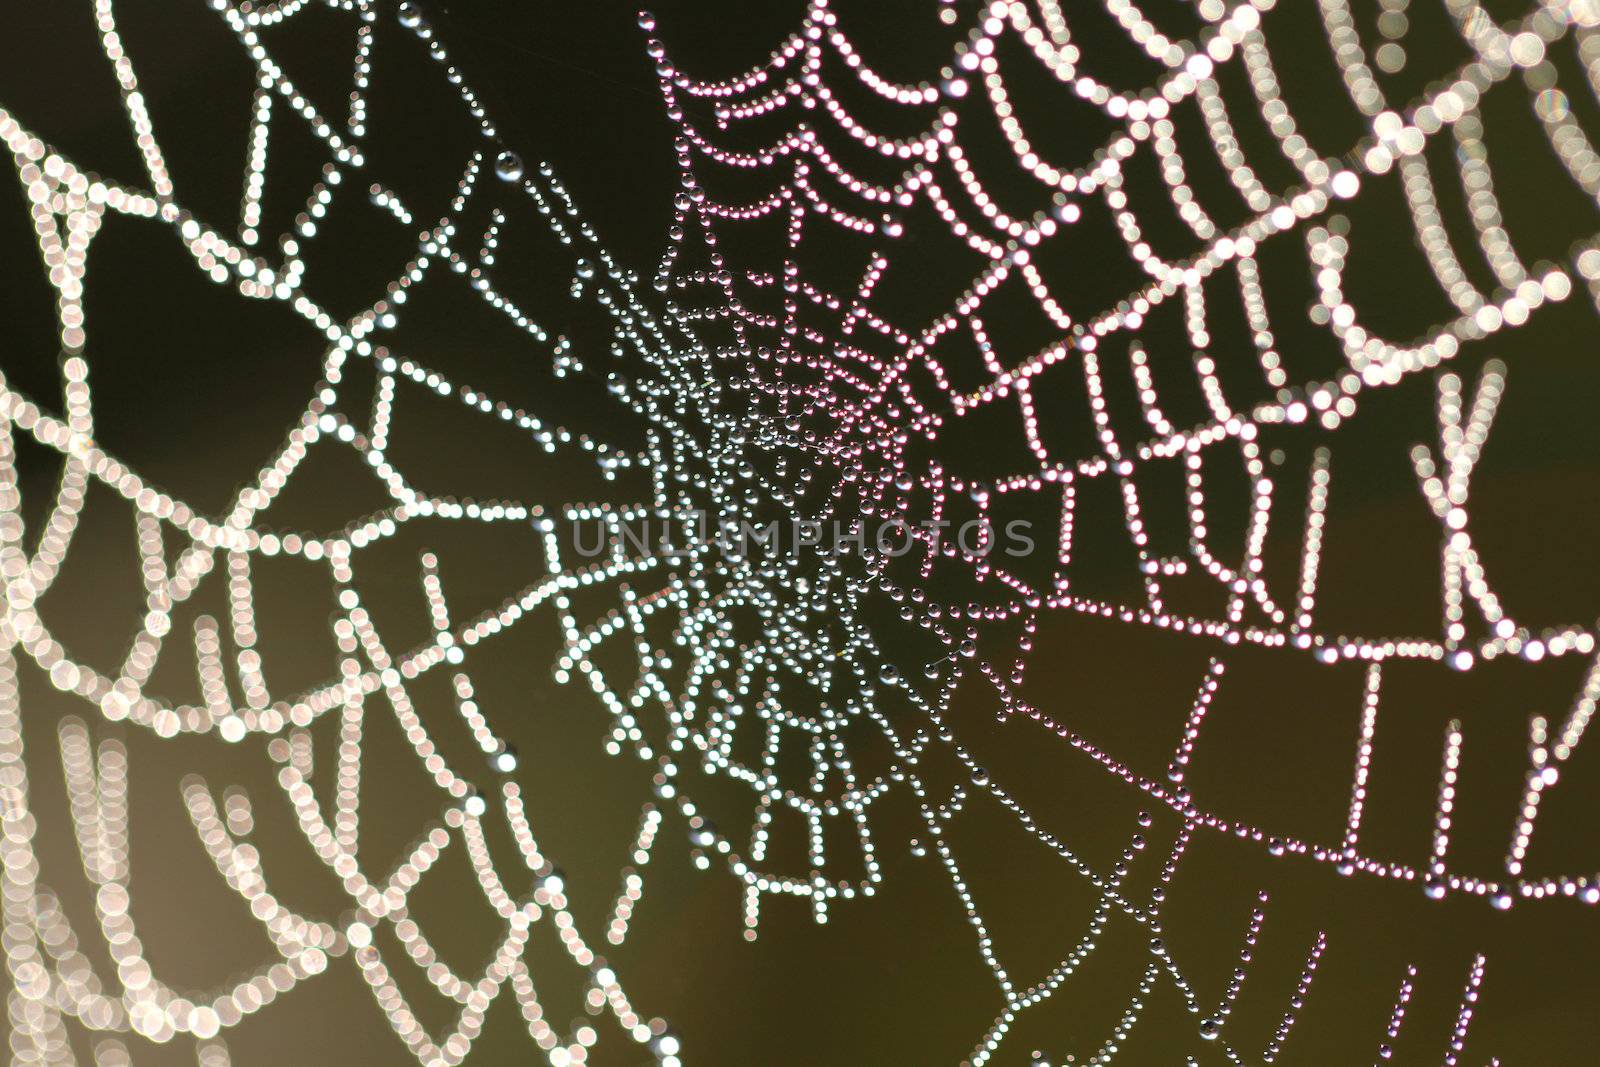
(822, 355)
(51, 981)
(814, 643)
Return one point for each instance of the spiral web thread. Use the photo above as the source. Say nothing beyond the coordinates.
(808, 391)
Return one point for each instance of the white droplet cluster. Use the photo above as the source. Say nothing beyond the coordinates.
(53, 983)
(768, 396)
(877, 398)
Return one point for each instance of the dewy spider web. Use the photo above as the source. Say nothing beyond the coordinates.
(768, 390)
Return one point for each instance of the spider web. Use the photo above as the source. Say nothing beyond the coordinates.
(787, 377)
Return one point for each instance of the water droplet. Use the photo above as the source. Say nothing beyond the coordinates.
(508, 166)
(504, 759)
